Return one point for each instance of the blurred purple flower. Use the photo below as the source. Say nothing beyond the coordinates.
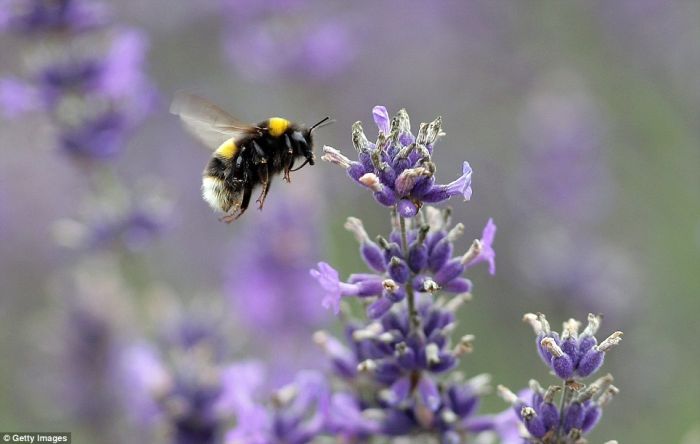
(565, 193)
(88, 344)
(109, 224)
(285, 38)
(184, 381)
(42, 16)
(572, 357)
(96, 92)
(297, 415)
(564, 171)
(268, 285)
(267, 279)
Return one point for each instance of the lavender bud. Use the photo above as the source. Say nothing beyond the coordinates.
(573, 417)
(449, 271)
(417, 256)
(549, 414)
(590, 362)
(398, 270)
(378, 308)
(397, 294)
(440, 254)
(406, 356)
(407, 208)
(532, 422)
(386, 197)
(373, 256)
(356, 170)
(458, 285)
(561, 362)
(591, 418)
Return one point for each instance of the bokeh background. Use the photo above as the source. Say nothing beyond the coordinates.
(579, 118)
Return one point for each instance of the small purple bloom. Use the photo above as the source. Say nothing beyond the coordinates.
(329, 279)
(382, 119)
(486, 251)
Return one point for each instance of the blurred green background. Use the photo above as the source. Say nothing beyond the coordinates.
(581, 121)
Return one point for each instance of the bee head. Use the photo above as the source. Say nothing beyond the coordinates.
(308, 136)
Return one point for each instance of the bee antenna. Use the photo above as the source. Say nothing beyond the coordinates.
(323, 122)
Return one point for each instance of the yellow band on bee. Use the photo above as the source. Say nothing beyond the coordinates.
(227, 149)
(277, 126)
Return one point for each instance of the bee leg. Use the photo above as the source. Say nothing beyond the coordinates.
(289, 145)
(265, 181)
(287, 169)
(247, 193)
(259, 152)
(228, 218)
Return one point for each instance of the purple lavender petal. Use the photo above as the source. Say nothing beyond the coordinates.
(329, 279)
(460, 186)
(382, 119)
(487, 253)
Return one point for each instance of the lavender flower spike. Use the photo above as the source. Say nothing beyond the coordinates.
(398, 167)
(571, 357)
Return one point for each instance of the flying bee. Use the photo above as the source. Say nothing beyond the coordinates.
(245, 155)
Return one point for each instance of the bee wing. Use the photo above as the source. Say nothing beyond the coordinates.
(206, 121)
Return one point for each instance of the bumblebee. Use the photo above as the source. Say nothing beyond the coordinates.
(245, 155)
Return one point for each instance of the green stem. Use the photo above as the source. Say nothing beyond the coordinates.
(410, 298)
(562, 406)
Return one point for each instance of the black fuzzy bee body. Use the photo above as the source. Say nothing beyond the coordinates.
(247, 155)
(240, 165)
